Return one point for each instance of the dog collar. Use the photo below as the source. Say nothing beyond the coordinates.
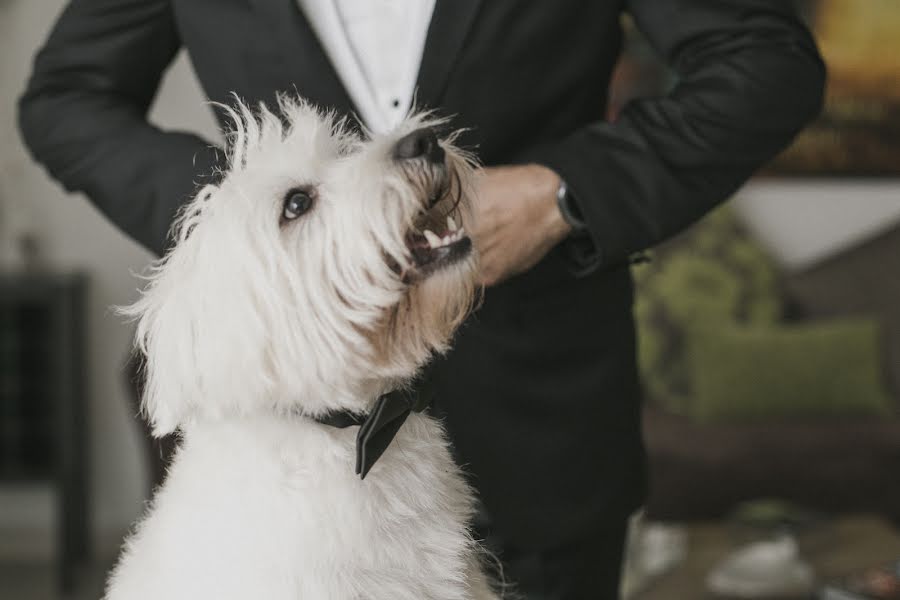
(378, 428)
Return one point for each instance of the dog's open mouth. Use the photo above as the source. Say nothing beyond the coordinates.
(436, 240)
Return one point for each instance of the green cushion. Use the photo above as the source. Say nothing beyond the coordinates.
(715, 272)
(827, 369)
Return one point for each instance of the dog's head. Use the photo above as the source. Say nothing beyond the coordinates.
(322, 270)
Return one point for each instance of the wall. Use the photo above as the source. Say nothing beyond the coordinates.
(75, 236)
(805, 221)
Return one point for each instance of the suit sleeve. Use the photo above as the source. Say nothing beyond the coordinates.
(749, 78)
(83, 115)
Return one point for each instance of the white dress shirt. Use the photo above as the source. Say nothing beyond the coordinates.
(376, 48)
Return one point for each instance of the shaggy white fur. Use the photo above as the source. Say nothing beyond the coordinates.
(258, 319)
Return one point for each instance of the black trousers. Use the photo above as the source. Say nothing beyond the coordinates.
(588, 568)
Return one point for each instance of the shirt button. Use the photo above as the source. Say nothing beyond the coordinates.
(395, 103)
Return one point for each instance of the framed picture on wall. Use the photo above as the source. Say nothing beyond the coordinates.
(858, 133)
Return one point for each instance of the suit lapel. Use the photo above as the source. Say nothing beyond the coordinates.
(450, 25)
(307, 68)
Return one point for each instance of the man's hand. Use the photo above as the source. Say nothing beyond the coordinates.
(517, 219)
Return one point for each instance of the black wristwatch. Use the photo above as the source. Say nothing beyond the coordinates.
(571, 214)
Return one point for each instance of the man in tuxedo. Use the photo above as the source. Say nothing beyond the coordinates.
(540, 395)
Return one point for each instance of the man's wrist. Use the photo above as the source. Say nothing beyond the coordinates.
(547, 186)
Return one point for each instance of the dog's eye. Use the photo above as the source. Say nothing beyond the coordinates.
(296, 203)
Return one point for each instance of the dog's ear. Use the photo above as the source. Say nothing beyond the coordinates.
(165, 338)
(201, 320)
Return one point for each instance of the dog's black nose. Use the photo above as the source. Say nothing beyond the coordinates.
(421, 143)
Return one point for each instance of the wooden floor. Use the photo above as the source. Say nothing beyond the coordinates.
(834, 548)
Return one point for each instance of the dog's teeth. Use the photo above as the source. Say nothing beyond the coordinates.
(433, 240)
(451, 224)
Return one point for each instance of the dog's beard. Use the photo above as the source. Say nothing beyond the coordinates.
(425, 318)
(439, 272)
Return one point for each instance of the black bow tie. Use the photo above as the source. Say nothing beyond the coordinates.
(378, 428)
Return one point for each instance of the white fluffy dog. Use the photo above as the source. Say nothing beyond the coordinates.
(320, 274)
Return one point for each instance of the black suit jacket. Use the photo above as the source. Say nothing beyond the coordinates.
(540, 395)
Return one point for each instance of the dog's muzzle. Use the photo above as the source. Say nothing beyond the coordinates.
(437, 237)
(420, 144)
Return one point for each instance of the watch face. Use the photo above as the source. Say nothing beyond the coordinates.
(569, 208)
(562, 191)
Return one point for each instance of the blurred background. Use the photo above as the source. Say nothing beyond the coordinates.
(770, 346)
